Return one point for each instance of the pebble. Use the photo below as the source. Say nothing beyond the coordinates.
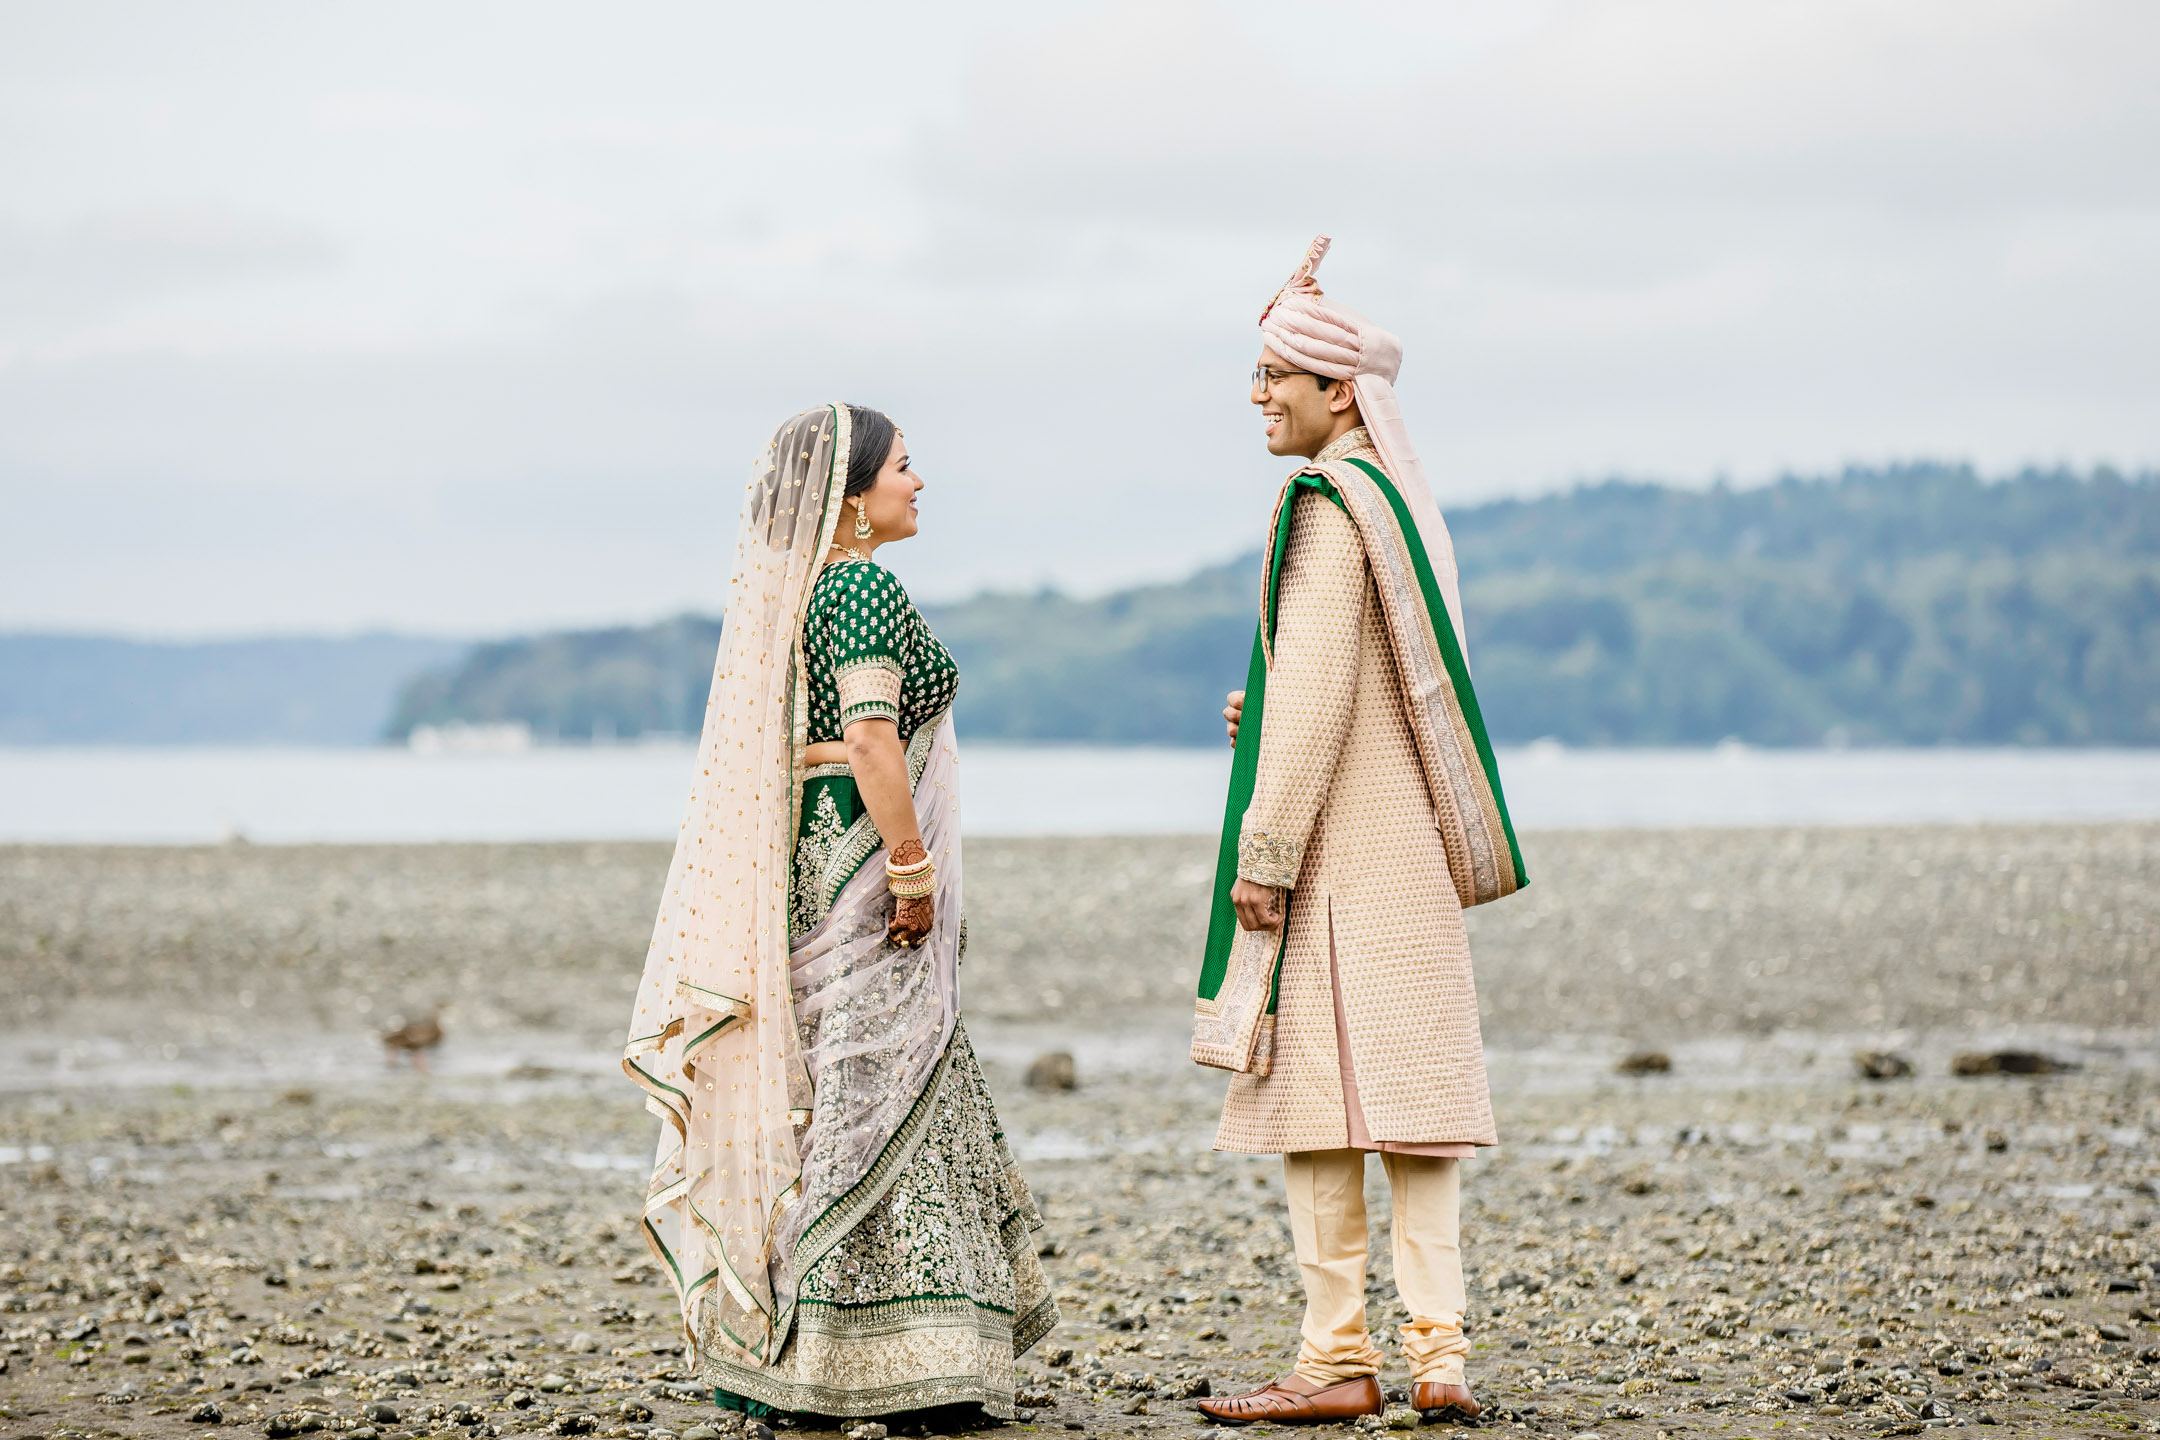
(1881, 1065)
(2007, 1062)
(1053, 1071)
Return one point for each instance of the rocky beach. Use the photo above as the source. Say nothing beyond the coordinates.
(1817, 1132)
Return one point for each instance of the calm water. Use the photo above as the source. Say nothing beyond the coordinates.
(279, 795)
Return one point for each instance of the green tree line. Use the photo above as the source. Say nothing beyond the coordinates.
(1915, 605)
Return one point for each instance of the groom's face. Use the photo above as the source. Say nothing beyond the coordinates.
(1297, 416)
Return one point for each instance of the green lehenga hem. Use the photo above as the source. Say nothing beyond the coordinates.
(853, 1359)
(998, 1339)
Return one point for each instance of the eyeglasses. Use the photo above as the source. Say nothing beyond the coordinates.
(1265, 376)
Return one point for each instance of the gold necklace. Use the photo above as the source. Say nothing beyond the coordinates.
(852, 553)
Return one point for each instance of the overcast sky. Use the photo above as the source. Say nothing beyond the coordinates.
(468, 319)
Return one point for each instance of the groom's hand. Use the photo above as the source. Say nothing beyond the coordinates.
(1232, 712)
(1259, 907)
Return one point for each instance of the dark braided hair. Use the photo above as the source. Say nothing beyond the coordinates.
(870, 437)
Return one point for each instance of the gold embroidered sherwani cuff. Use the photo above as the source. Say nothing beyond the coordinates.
(1265, 860)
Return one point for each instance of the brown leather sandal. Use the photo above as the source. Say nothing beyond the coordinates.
(1344, 1401)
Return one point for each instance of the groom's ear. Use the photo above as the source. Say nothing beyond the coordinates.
(1341, 396)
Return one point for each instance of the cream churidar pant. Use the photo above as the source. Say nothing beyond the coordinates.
(1328, 1227)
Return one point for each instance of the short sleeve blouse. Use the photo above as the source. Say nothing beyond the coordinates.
(870, 655)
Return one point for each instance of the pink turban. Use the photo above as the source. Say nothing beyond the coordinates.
(1315, 334)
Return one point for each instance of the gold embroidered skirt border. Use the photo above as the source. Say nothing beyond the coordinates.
(853, 1364)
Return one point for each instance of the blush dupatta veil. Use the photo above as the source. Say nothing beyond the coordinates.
(733, 1032)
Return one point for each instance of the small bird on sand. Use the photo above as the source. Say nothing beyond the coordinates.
(415, 1038)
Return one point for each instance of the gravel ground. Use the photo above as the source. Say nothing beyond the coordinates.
(1650, 936)
(213, 1192)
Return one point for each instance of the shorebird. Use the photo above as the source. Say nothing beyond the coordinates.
(415, 1038)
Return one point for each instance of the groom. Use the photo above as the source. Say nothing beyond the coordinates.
(1364, 814)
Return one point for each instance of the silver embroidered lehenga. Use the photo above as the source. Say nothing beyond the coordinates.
(846, 1229)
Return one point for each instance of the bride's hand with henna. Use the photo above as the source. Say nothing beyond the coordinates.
(911, 920)
(913, 915)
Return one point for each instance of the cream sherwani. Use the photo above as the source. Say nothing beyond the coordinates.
(1341, 817)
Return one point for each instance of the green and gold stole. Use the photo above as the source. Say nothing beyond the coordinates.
(1234, 1017)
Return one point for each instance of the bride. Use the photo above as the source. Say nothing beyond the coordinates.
(833, 1198)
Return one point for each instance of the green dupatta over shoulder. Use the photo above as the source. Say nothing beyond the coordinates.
(1234, 1016)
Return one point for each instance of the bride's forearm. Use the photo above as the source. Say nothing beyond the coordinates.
(881, 778)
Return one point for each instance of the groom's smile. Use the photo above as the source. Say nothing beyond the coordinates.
(1300, 411)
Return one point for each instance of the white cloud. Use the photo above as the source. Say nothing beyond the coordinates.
(520, 288)
(87, 270)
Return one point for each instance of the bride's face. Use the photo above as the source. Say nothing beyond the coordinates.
(890, 500)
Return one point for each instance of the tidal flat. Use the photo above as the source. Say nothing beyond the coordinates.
(218, 1196)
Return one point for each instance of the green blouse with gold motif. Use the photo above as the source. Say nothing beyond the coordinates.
(867, 653)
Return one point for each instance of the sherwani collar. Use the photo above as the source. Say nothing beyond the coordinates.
(1353, 444)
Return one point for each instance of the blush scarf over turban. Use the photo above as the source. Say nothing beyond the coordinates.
(1316, 334)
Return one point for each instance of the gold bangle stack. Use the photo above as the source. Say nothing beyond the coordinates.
(911, 882)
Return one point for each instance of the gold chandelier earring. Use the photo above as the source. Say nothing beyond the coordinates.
(862, 521)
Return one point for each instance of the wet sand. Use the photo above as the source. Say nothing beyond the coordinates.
(213, 1191)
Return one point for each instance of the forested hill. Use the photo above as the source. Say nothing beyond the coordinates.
(1862, 518)
(1914, 605)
